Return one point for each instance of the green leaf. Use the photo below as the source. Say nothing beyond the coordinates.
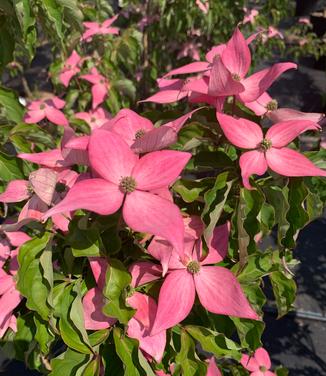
(69, 363)
(249, 332)
(187, 360)
(10, 168)
(53, 13)
(83, 242)
(98, 337)
(127, 350)
(27, 24)
(284, 289)
(93, 367)
(190, 190)
(43, 335)
(125, 88)
(278, 198)
(213, 159)
(281, 371)
(30, 273)
(215, 199)
(71, 322)
(117, 279)
(7, 42)
(296, 215)
(9, 102)
(214, 342)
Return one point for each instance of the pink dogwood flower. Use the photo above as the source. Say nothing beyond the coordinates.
(250, 16)
(217, 288)
(46, 109)
(95, 28)
(95, 119)
(259, 364)
(100, 86)
(262, 105)
(70, 69)
(229, 69)
(127, 181)
(40, 191)
(269, 150)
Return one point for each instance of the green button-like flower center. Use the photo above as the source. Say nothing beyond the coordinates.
(262, 369)
(42, 106)
(272, 105)
(60, 187)
(127, 184)
(140, 133)
(266, 144)
(93, 119)
(193, 267)
(236, 77)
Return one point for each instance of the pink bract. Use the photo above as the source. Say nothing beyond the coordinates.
(126, 179)
(46, 109)
(259, 364)
(269, 150)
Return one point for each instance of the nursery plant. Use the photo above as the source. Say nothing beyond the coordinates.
(130, 241)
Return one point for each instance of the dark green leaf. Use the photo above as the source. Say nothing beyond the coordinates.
(117, 279)
(31, 273)
(284, 289)
(214, 342)
(10, 168)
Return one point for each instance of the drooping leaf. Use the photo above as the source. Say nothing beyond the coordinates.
(214, 342)
(33, 282)
(215, 199)
(117, 279)
(284, 289)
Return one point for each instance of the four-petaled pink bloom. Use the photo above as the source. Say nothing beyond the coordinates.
(46, 109)
(100, 86)
(217, 288)
(135, 184)
(269, 150)
(43, 188)
(250, 16)
(95, 28)
(259, 364)
(70, 69)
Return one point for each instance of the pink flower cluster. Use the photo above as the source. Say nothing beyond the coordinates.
(223, 75)
(130, 170)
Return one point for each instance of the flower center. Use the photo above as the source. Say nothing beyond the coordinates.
(236, 77)
(193, 267)
(262, 368)
(42, 106)
(127, 184)
(60, 187)
(102, 81)
(140, 133)
(30, 189)
(92, 119)
(272, 105)
(265, 144)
